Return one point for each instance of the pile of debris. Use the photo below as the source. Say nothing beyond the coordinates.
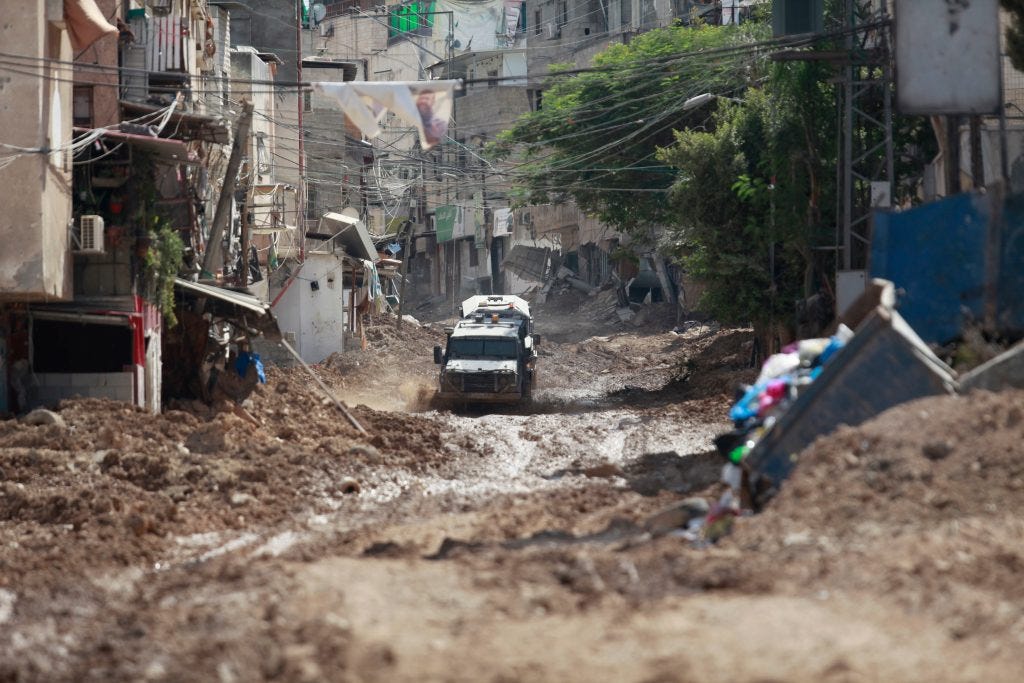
(819, 386)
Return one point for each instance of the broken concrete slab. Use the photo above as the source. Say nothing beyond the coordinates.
(1005, 371)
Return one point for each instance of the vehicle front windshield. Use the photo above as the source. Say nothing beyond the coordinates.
(491, 349)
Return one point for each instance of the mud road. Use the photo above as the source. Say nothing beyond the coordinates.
(502, 546)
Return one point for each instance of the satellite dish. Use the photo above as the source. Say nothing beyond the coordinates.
(319, 12)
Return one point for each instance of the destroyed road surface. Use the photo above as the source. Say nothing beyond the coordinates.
(521, 544)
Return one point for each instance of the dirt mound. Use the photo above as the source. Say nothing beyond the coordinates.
(919, 505)
(963, 457)
(116, 484)
(396, 371)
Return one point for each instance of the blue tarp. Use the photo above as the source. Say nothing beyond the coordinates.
(954, 260)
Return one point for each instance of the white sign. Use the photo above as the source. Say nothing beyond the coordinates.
(502, 222)
(947, 56)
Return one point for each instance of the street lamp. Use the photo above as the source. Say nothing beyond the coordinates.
(704, 98)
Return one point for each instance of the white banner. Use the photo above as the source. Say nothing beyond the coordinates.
(426, 105)
(502, 222)
(512, 10)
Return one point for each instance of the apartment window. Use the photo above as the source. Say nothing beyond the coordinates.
(307, 100)
(626, 12)
(474, 256)
(81, 111)
(536, 98)
(262, 154)
(563, 13)
(312, 197)
(536, 23)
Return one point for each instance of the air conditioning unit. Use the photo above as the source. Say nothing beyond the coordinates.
(90, 234)
(554, 30)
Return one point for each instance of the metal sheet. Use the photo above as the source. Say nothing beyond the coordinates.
(947, 57)
(239, 299)
(529, 263)
(955, 260)
(935, 254)
(353, 236)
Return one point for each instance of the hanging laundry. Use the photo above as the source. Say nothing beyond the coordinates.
(426, 105)
(374, 292)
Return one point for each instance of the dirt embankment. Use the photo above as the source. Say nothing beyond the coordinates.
(507, 546)
(112, 484)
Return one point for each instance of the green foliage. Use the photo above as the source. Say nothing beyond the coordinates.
(754, 196)
(1015, 32)
(596, 137)
(161, 264)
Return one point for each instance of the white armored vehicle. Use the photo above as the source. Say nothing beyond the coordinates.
(490, 356)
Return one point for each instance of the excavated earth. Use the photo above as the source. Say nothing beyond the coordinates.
(283, 543)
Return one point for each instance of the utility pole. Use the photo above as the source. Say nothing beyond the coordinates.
(227, 193)
(405, 270)
(977, 165)
(301, 102)
(243, 277)
(953, 151)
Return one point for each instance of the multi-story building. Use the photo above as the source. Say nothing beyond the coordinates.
(112, 161)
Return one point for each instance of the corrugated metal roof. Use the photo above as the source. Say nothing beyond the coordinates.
(246, 301)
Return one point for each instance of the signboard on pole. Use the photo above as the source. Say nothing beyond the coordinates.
(444, 222)
(502, 222)
(947, 57)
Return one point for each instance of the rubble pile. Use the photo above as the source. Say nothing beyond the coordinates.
(924, 462)
(919, 505)
(103, 482)
(572, 316)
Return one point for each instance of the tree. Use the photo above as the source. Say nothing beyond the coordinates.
(596, 137)
(755, 196)
(1015, 32)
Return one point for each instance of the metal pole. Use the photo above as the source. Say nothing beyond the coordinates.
(227, 193)
(847, 190)
(243, 275)
(323, 387)
(1004, 159)
(301, 196)
(953, 159)
(405, 271)
(977, 163)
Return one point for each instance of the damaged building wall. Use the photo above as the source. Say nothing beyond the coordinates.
(95, 101)
(36, 111)
(310, 309)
